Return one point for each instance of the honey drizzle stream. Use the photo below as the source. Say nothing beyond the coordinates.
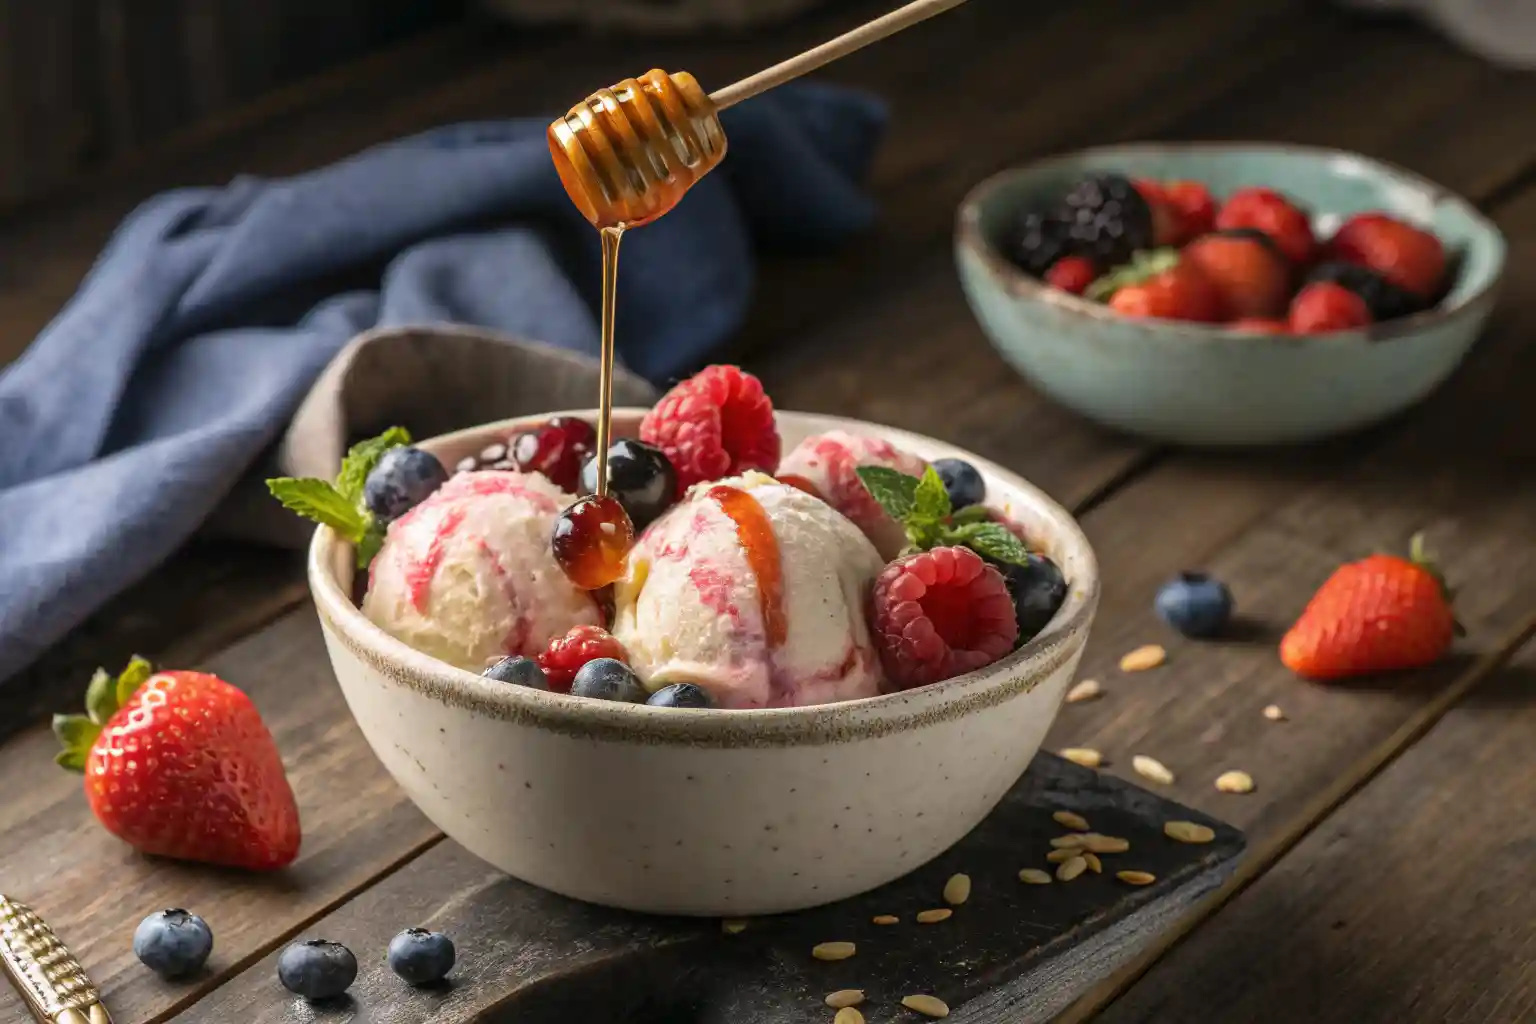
(611, 239)
(761, 547)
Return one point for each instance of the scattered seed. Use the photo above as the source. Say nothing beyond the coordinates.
(1136, 877)
(845, 997)
(1085, 756)
(1034, 876)
(1152, 768)
(1095, 843)
(493, 453)
(1071, 820)
(934, 916)
(1274, 714)
(733, 926)
(1234, 782)
(928, 1006)
(1088, 689)
(957, 890)
(1143, 658)
(887, 919)
(504, 464)
(467, 463)
(834, 951)
(1071, 869)
(848, 1015)
(1188, 831)
(1093, 862)
(1069, 842)
(1062, 856)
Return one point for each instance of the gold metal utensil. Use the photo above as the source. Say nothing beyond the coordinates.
(44, 971)
(627, 154)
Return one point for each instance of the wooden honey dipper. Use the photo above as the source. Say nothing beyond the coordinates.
(628, 154)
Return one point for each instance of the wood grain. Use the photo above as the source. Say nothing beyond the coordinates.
(1413, 902)
(532, 957)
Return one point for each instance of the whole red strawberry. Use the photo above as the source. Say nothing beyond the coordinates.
(1381, 614)
(1268, 211)
(1253, 277)
(1193, 206)
(1323, 306)
(1071, 274)
(1167, 227)
(1409, 257)
(180, 764)
(1163, 286)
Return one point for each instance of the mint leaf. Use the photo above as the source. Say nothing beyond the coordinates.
(360, 460)
(894, 491)
(1143, 265)
(972, 514)
(930, 501)
(319, 501)
(132, 678)
(369, 545)
(993, 540)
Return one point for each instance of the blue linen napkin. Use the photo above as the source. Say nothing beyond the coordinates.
(195, 336)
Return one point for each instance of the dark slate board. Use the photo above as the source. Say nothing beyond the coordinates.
(1014, 952)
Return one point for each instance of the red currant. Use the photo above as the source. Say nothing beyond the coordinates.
(592, 539)
(556, 449)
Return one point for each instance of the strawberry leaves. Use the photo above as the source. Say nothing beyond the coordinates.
(922, 506)
(103, 698)
(340, 505)
(1143, 265)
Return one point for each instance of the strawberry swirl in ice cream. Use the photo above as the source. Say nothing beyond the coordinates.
(753, 590)
(467, 575)
(830, 462)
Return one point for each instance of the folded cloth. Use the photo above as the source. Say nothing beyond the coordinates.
(212, 310)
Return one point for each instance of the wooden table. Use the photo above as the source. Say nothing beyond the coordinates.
(1388, 875)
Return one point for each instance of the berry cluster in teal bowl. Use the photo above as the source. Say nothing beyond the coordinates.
(1208, 385)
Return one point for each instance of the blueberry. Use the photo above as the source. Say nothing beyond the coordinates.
(421, 957)
(173, 943)
(1038, 589)
(317, 969)
(1194, 604)
(963, 482)
(518, 671)
(681, 695)
(608, 679)
(641, 477)
(401, 480)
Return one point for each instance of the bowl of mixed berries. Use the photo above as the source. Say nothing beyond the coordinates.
(1227, 294)
(779, 660)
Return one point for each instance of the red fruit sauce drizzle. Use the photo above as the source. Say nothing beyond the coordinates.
(418, 577)
(762, 549)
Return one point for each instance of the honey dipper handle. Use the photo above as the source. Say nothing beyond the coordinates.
(831, 50)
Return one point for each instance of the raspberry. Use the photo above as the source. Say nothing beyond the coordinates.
(715, 424)
(1324, 306)
(566, 654)
(939, 614)
(1072, 274)
(1276, 216)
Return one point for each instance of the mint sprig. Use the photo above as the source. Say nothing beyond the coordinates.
(922, 506)
(340, 505)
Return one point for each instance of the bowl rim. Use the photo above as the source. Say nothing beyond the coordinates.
(970, 237)
(1059, 642)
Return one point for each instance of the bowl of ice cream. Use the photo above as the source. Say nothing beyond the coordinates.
(809, 780)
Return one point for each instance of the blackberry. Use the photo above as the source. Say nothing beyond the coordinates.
(1037, 242)
(1385, 300)
(1107, 219)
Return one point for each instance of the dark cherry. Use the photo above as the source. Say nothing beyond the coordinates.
(591, 540)
(641, 477)
(557, 449)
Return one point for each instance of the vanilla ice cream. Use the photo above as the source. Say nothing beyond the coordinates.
(467, 576)
(755, 591)
(830, 463)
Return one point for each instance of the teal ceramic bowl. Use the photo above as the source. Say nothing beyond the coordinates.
(1206, 386)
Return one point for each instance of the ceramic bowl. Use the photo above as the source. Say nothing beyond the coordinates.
(708, 812)
(1201, 385)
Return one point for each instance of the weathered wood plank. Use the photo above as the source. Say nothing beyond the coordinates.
(1413, 902)
(528, 956)
(94, 890)
(1458, 468)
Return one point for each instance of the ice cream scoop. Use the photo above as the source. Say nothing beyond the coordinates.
(467, 576)
(830, 463)
(755, 591)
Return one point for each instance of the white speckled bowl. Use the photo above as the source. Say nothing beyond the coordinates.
(708, 812)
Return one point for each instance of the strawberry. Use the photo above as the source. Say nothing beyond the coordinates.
(1409, 257)
(1193, 206)
(1381, 614)
(180, 764)
(1270, 212)
(1167, 228)
(1323, 306)
(1071, 274)
(1253, 277)
(1161, 285)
